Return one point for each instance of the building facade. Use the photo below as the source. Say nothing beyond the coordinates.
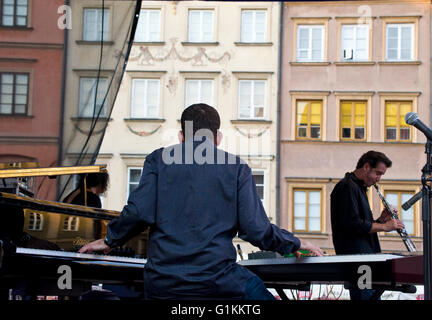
(31, 57)
(350, 73)
(221, 53)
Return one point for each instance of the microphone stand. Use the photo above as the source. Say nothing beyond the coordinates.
(426, 218)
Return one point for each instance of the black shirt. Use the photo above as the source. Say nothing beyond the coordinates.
(351, 218)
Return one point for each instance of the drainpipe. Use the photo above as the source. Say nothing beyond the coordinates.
(278, 117)
(62, 102)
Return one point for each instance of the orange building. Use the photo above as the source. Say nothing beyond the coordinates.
(31, 64)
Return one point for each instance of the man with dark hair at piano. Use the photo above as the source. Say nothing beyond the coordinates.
(354, 229)
(196, 198)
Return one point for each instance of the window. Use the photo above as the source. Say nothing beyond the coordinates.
(397, 199)
(253, 26)
(14, 13)
(71, 223)
(96, 24)
(145, 98)
(148, 28)
(353, 120)
(35, 221)
(258, 176)
(134, 176)
(396, 128)
(307, 210)
(310, 43)
(14, 89)
(308, 124)
(199, 91)
(252, 99)
(88, 88)
(400, 42)
(355, 42)
(200, 26)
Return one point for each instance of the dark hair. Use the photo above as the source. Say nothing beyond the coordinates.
(373, 158)
(95, 179)
(202, 116)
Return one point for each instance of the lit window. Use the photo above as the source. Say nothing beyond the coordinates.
(396, 127)
(353, 120)
(309, 119)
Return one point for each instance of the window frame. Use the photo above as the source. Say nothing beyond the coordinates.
(14, 84)
(352, 127)
(310, 21)
(308, 129)
(307, 189)
(398, 102)
(132, 99)
(201, 33)
(35, 226)
(400, 20)
(200, 80)
(399, 39)
(128, 183)
(15, 16)
(252, 105)
(69, 220)
(109, 22)
(403, 187)
(103, 114)
(254, 37)
(147, 36)
(264, 184)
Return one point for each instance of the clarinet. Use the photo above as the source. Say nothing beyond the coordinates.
(409, 244)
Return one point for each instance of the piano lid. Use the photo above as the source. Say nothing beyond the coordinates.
(51, 171)
(57, 207)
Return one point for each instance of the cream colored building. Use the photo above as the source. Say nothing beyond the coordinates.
(221, 53)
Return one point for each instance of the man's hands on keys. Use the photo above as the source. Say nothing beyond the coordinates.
(98, 245)
(306, 245)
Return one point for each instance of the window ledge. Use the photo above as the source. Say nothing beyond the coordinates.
(401, 63)
(97, 42)
(76, 119)
(143, 120)
(307, 64)
(250, 44)
(251, 121)
(355, 63)
(149, 43)
(188, 43)
(312, 235)
(16, 28)
(21, 116)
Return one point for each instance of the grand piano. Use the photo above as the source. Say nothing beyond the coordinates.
(30, 271)
(32, 264)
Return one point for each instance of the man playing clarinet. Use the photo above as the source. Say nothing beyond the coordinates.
(353, 226)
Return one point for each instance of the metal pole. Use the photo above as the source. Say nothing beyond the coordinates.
(426, 206)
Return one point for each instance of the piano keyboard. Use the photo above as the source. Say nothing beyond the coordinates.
(80, 256)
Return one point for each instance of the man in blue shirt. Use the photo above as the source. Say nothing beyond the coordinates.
(196, 198)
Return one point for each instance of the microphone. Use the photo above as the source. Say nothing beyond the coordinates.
(412, 200)
(412, 118)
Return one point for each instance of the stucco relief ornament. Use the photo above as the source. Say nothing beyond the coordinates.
(143, 133)
(86, 132)
(250, 135)
(225, 79)
(172, 84)
(145, 57)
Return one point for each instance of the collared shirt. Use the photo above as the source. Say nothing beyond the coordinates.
(194, 210)
(351, 218)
